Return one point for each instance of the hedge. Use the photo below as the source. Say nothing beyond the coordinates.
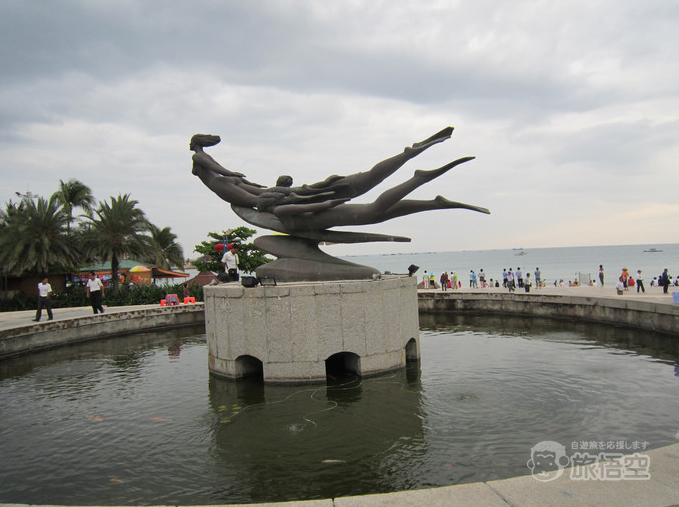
(126, 296)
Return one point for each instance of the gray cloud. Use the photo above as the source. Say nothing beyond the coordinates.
(563, 102)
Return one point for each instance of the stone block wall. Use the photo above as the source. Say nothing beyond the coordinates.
(650, 315)
(293, 328)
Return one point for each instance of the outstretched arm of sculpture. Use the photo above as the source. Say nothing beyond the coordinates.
(225, 187)
(268, 201)
(298, 209)
(357, 184)
(293, 198)
(297, 191)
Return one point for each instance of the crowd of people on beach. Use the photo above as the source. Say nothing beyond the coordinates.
(626, 281)
(511, 280)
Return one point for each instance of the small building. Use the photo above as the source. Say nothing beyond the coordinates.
(28, 284)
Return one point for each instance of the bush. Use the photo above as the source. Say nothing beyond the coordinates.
(19, 301)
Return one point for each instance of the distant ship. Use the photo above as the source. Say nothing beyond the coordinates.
(522, 252)
(652, 250)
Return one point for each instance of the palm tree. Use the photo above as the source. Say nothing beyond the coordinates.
(116, 229)
(165, 251)
(74, 194)
(34, 237)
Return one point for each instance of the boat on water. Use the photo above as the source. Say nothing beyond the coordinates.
(652, 250)
(522, 252)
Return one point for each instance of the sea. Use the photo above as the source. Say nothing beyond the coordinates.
(565, 263)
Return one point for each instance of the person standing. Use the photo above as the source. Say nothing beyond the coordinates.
(620, 286)
(95, 291)
(444, 280)
(601, 274)
(519, 277)
(625, 277)
(640, 282)
(230, 261)
(538, 277)
(665, 281)
(44, 295)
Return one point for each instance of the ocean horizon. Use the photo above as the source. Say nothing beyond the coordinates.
(559, 263)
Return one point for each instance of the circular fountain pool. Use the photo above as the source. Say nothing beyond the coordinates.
(138, 420)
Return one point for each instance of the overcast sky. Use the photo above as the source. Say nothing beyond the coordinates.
(571, 108)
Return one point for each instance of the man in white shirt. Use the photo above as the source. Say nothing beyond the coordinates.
(95, 291)
(44, 294)
(230, 260)
(640, 282)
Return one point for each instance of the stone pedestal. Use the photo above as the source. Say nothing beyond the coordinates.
(290, 330)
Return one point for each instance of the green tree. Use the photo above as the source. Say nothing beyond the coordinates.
(74, 194)
(116, 229)
(249, 257)
(165, 251)
(34, 237)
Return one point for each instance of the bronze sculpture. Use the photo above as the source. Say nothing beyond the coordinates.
(307, 213)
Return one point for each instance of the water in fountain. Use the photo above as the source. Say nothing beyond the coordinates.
(138, 420)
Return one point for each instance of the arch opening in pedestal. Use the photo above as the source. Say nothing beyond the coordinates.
(412, 354)
(249, 367)
(342, 365)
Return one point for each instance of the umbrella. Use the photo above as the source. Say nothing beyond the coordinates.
(140, 269)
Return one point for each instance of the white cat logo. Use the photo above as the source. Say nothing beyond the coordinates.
(548, 459)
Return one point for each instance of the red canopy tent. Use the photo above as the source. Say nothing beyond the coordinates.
(202, 278)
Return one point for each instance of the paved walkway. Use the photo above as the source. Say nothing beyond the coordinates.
(11, 320)
(652, 294)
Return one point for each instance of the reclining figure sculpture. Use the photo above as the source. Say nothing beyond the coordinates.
(308, 212)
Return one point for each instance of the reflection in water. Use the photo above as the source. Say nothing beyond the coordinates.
(174, 349)
(640, 342)
(138, 420)
(348, 437)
